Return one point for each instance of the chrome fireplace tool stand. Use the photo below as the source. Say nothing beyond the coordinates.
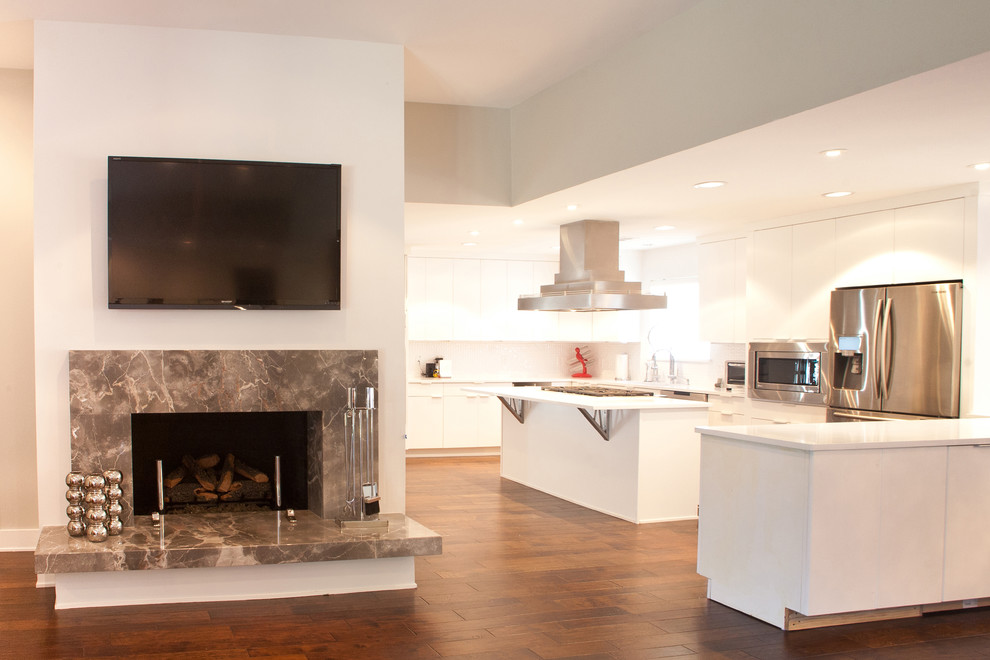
(362, 501)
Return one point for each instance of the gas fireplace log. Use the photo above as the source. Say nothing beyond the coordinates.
(226, 474)
(203, 476)
(175, 477)
(203, 495)
(235, 494)
(251, 473)
(208, 461)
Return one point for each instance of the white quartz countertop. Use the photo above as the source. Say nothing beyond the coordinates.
(861, 435)
(627, 384)
(589, 402)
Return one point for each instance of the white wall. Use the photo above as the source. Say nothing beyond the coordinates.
(18, 502)
(457, 154)
(120, 90)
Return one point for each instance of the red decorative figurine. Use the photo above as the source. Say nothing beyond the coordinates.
(584, 365)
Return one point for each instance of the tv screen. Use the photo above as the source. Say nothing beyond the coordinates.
(222, 234)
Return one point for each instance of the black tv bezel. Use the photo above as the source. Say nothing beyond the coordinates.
(332, 305)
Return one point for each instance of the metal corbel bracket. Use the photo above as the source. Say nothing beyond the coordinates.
(516, 407)
(600, 420)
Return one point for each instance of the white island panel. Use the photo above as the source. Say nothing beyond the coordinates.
(877, 518)
(647, 470)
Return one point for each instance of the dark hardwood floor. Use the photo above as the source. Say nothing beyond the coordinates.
(523, 575)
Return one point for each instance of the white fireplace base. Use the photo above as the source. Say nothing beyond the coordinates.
(187, 585)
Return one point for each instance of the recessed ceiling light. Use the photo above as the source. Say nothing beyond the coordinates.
(837, 193)
(572, 207)
(474, 233)
(833, 153)
(469, 244)
(710, 184)
(517, 221)
(664, 228)
(981, 166)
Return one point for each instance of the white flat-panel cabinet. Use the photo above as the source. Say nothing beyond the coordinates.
(967, 524)
(466, 299)
(519, 281)
(928, 242)
(430, 295)
(543, 324)
(722, 290)
(768, 293)
(812, 278)
(864, 249)
(424, 416)
(493, 292)
(444, 416)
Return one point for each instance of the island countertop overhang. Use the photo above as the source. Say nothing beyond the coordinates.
(839, 436)
(535, 394)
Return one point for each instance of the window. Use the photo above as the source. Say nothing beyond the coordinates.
(675, 329)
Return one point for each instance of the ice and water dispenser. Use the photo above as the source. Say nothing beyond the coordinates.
(848, 373)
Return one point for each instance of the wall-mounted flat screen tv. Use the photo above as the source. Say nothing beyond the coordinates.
(222, 234)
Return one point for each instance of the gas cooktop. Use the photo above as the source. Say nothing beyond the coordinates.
(594, 390)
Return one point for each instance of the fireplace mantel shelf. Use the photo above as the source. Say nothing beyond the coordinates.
(239, 539)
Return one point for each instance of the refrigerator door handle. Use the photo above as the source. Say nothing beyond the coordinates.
(878, 349)
(888, 343)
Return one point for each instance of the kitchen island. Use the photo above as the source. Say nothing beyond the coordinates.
(632, 457)
(805, 525)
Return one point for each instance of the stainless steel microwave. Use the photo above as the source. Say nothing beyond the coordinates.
(789, 371)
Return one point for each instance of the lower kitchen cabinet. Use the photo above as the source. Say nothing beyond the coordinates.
(444, 416)
(967, 536)
(424, 416)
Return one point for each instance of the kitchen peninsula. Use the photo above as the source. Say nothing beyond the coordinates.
(805, 525)
(632, 457)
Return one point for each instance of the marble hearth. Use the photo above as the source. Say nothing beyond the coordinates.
(207, 555)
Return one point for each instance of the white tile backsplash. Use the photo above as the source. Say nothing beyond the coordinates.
(511, 361)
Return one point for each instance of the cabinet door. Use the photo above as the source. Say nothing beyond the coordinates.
(769, 291)
(912, 524)
(460, 418)
(424, 420)
(543, 324)
(417, 311)
(928, 242)
(489, 421)
(494, 305)
(519, 281)
(967, 532)
(740, 265)
(864, 249)
(717, 291)
(813, 273)
(466, 299)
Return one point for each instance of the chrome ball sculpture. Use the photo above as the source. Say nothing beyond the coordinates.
(75, 510)
(96, 515)
(113, 508)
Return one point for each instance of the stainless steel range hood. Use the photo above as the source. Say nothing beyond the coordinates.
(589, 279)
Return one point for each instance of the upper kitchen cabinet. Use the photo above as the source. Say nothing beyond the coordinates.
(864, 249)
(929, 242)
(813, 278)
(793, 276)
(768, 292)
(722, 290)
(429, 303)
(475, 300)
(920, 243)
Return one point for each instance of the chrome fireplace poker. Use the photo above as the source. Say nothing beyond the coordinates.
(362, 504)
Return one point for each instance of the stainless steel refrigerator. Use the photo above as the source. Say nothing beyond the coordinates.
(894, 352)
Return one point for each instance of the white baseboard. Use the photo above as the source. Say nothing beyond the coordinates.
(12, 540)
(187, 585)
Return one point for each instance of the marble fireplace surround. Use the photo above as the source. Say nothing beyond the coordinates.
(106, 387)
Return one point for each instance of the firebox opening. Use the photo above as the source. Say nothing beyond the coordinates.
(253, 439)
